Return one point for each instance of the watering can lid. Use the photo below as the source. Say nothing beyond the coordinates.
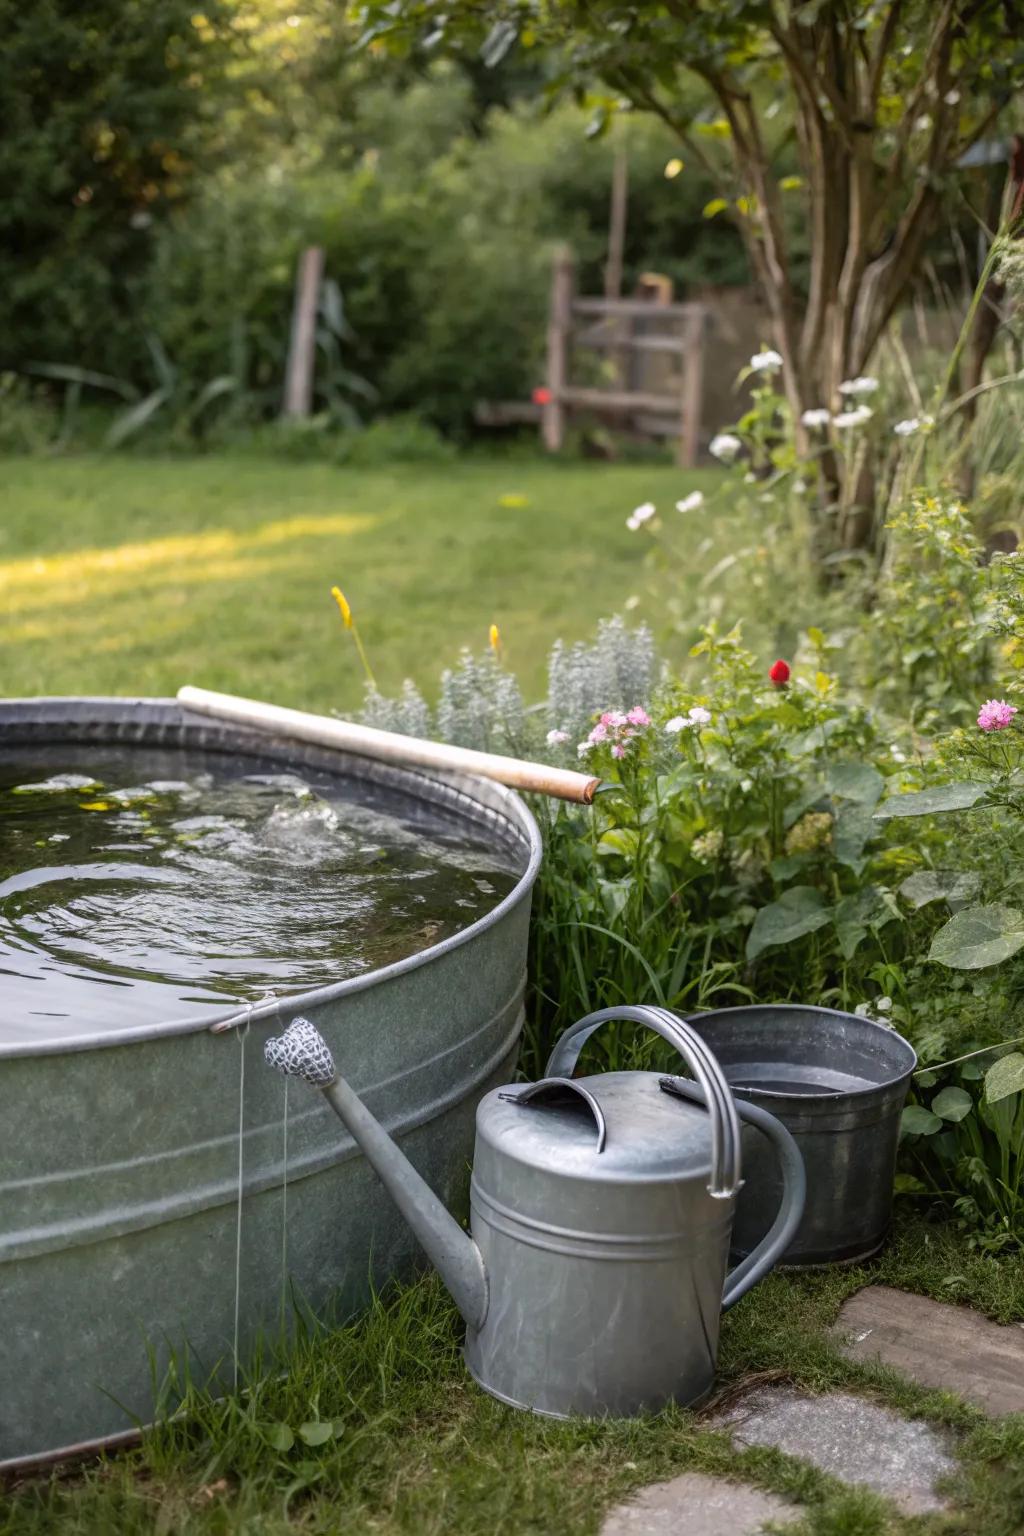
(614, 1125)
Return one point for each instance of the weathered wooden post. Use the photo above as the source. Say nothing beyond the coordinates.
(563, 283)
(298, 380)
(688, 445)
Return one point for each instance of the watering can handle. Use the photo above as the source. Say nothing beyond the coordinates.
(716, 1093)
(712, 1090)
(794, 1189)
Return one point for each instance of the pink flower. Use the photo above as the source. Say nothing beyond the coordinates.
(618, 750)
(613, 719)
(638, 716)
(996, 715)
(599, 733)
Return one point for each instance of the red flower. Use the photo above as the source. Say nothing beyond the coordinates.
(779, 673)
(542, 395)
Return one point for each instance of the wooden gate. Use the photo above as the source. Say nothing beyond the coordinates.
(641, 337)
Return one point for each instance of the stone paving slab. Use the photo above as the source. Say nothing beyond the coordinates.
(851, 1438)
(937, 1344)
(696, 1505)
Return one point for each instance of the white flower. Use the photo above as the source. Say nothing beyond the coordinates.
(691, 503)
(725, 446)
(854, 418)
(695, 717)
(817, 416)
(951, 98)
(864, 385)
(640, 515)
(555, 738)
(766, 362)
(914, 424)
(883, 1004)
(583, 747)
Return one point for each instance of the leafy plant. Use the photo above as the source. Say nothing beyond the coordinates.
(967, 1146)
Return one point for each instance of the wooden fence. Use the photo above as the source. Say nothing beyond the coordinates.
(655, 350)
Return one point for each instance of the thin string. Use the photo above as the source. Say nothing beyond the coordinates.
(284, 1210)
(242, 1037)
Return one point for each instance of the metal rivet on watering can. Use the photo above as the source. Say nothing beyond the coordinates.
(602, 1209)
(838, 1082)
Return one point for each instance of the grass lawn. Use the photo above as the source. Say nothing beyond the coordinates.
(419, 1451)
(129, 575)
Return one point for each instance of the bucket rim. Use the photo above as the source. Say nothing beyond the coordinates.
(885, 1031)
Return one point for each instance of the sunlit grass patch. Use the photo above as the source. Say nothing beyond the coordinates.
(125, 575)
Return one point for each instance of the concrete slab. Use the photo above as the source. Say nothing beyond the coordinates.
(696, 1505)
(850, 1437)
(937, 1345)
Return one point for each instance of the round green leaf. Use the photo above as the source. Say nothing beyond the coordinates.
(952, 1104)
(1004, 1077)
(918, 1121)
(279, 1436)
(798, 911)
(317, 1432)
(978, 937)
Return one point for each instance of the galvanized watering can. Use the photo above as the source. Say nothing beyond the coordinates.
(602, 1210)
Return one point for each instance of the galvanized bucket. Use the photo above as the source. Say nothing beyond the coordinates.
(838, 1083)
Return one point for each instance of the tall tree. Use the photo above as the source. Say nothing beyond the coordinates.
(886, 97)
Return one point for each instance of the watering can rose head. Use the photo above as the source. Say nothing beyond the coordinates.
(301, 1052)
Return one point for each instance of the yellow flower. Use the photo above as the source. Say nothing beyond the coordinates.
(494, 636)
(342, 602)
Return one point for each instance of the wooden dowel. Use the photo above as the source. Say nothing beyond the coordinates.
(387, 746)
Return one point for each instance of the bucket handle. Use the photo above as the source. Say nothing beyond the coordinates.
(794, 1190)
(725, 1126)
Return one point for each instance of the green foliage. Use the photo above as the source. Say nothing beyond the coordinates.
(439, 236)
(106, 116)
(871, 93)
(28, 422)
(967, 1148)
(934, 621)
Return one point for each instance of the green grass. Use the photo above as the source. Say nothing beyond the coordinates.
(129, 575)
(421, 1450)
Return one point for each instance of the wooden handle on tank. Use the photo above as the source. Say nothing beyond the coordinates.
(388, 746)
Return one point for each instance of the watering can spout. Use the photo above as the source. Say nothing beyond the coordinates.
(302, 1052)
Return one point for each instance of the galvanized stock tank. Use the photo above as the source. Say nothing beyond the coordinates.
(120, 1216)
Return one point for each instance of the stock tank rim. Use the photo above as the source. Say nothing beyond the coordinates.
(883, 1031)
(81, 719)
